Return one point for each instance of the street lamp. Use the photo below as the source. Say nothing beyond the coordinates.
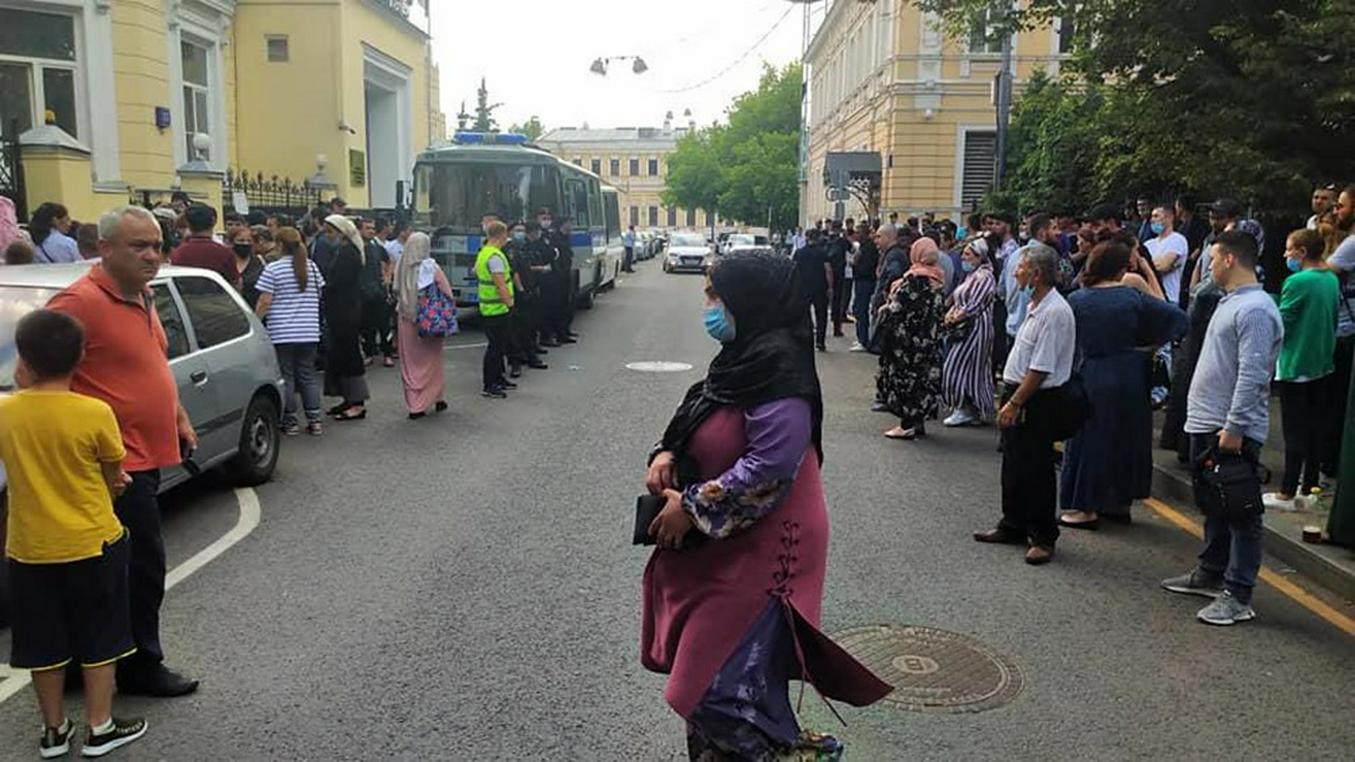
(599, 66)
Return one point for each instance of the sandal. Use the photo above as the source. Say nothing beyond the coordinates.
(1087, 524)
(349, 415)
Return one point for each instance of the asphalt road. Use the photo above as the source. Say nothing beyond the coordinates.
(462, 588)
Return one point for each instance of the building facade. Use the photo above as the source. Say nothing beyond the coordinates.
(160, 94)
(634, 160)
(885, 79)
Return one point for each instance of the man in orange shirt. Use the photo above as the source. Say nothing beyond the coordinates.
(126, 366)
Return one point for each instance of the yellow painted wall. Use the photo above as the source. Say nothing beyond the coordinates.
(141, 77)
(289, 111)
(58, 174)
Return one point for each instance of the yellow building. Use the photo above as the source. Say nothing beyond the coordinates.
(635, 161)
(885, 80)
(161, 95)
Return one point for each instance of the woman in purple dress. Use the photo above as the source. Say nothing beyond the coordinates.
(732, 594)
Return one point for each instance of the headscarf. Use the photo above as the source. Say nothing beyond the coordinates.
(414, 273)
(980, 247)
(924, 255)
(771, 356)
(9, 224)
(346, 227)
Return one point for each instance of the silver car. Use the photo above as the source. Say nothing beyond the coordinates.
(219, 352)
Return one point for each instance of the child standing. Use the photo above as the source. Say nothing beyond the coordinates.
(66, 550)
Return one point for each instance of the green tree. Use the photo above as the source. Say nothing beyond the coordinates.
(484, 110)
(1254, 98)
(532, 128)
(746, 168)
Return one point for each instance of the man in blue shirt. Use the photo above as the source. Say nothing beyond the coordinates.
(1227, 411)
(628, 240)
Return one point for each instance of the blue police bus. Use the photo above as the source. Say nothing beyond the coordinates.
(479, 173)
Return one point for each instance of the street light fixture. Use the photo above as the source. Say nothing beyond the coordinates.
(599, 65)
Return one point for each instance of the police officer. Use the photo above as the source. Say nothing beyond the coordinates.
(559, 291)
(544, 248)
(524, 350)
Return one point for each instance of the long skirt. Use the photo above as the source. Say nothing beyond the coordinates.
(967, 374)
(421, 368)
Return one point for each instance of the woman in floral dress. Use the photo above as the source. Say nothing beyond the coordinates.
(909, 381)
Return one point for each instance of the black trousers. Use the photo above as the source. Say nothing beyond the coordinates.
(554, 323)
(628, 260)
(1338, 385)
(842, 295)
(1029, 480)
(818, 306)
(496, 330)
(1304, 418)
(522, 332)
(376, 327)
(139, 511)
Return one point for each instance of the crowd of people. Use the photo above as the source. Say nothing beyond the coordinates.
(1072, 329)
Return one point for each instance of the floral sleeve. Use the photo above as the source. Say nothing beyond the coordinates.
(778, 436)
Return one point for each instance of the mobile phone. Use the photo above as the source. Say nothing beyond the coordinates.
(186, 458)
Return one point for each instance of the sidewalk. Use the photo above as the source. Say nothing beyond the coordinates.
(1331, 566)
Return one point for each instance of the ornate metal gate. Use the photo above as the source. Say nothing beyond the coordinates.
(11, 169)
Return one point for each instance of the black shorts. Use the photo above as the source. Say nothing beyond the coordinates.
(75, 611)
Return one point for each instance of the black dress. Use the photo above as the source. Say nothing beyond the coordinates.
(909, 382)
(343, 323)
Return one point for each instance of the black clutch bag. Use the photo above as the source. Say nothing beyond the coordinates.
(647, 508)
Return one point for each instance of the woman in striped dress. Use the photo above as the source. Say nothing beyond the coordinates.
(966, 377)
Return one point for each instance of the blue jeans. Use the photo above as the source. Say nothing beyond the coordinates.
(1232, 547)
(297, 363)
(865, 289)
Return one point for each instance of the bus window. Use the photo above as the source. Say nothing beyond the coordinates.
(576, 197)
(457, 194)
(613, 211)
(595, 202)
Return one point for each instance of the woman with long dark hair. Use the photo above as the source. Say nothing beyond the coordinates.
(1109, 464)
(289, 303)
(48, 225)
(732, 619)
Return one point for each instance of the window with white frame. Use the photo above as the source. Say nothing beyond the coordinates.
(37, 69)
(1065, 31)
(984, 37)
(196, 94)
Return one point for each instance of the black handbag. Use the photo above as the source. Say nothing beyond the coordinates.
(647, 508)
(1068, 408)
(1227, 485)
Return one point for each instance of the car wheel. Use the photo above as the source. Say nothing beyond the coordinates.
(259, 439)
(591, 297)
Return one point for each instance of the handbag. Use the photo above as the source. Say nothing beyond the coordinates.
(435, 315)
(1069, 407)
(1227, 485)
(647, 508)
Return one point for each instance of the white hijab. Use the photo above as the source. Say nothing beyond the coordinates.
(416, 271)
(346, 228)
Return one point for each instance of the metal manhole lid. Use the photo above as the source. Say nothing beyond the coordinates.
(934, 670)
(659, 366)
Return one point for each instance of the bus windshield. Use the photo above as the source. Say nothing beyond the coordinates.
(458, 194)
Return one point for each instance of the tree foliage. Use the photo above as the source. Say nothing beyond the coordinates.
(747, 168)
(1251, 98)
(484, 110)
(532, 128)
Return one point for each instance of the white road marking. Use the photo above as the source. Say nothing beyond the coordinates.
(12, 680)
(480, 345)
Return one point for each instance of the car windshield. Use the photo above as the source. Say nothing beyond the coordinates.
(457, 195)
(689, 241)
(15, 302)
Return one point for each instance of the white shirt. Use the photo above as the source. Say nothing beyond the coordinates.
(395, 249)
(1174, 244)
(1045, 342)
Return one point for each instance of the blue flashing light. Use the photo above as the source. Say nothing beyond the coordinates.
(489, 138)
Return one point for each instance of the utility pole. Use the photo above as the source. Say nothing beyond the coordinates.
(1004, 107)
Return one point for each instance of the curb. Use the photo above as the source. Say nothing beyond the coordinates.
(1175, 488)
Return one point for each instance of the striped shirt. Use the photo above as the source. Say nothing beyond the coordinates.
(294, 316)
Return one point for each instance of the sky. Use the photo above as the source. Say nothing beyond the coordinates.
(535, 55)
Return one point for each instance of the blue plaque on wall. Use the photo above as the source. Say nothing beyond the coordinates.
(161, 118)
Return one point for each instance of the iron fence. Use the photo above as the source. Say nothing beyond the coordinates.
(268, 194)
(12, 169)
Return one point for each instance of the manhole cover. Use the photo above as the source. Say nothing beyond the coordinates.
(659, 366)
(934, 670)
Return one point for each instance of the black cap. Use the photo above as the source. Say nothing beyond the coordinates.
(1226, 207)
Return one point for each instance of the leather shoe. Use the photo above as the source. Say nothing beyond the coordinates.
(537, 365)
(1000, 535)
(1039, 554)
(552, 344)
(541, 351)
(569, 340)
(161, 683)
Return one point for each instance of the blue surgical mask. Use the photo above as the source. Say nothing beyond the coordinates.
(1028, 291)
(1157, 228)
(519, 236)
(968, 266)
(718, 324)
(1294, 265)
(961, 232)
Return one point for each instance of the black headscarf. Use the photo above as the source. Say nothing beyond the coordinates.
(771, 356)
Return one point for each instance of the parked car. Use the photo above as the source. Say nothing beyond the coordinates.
(687, 252)
(219, 353)
(736, 240)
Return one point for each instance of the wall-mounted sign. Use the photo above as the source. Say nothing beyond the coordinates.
(357, 168)
(161, 118)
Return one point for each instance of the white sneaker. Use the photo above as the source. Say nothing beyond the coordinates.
(856, 347)
(1274, 502)
(960, 417)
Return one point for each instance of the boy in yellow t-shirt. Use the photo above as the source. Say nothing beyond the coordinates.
(67, 552)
